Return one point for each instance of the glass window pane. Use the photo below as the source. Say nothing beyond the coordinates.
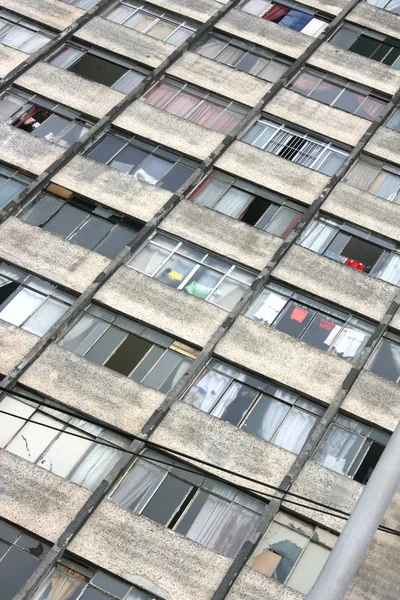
(338, 449)
(34, 43)
(161, 30)
(115, 241)
(294, 319)
(128, 355)
(21, 306)
(128, 159)
(97, 69)
(319, 332)
(106, 345)
(167, 500)
(265, 417)
(152, 170)
(228, 293)
(105, 149)
(175, 270)
(92, 232)
(83, 334)
(9, 425)
(33, 439)
(48, 313)
(386, 360)
(16, 36)
(66, 220)
(128, 82)
(234, 403)
(202, 282)
(42, 210)
(308, 568)
(9, 191)
(136, 489)
(149, 260)
(66, 57)
(64, 453)
(295, 430)
(207, 389)
(15, 568)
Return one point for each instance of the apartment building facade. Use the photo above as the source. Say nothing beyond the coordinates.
(199, 294)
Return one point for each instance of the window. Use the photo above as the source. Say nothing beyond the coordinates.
(12, 183)
(85, 4)
(101, 67)
(22, 35)
(370, 44)
(311, 321)
(351, 448)
(296, 146)
(358, 249)
(195, 271)
(206, 511)
(339, 93)
(149, 162)
(153, 21)
(293, 552)
(385, 361)
(376, 177)
(390, 5)
(129, 348)
(195, 105)
(29, 302)
(70, 580)
(42, 118)
(249, 203)
(20, 555)
(50, 446)
(258, 407)
(243, 56)
(287, 14)
(81, 221)
(394, 121)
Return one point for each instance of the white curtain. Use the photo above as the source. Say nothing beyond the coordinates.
(205, 393)
(271, 306)
(349, 342)
(234, 202)
(211, 190)
(60, 587)
(227, 399)
(294, 431)
(391, 270)
(316, 236)
(338, 448)
(82, 327)
(138, 486)
(149, 259)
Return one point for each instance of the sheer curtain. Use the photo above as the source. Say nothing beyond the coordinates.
(362, 176)
(294, 431)
(267, 307)
(386, 185)
(317, 236)
(161, 94)
(283, 222)
(210, 191)
(234, 202)
(207, 390)
(391, 270)
(60, 587)
(370, 106)
(206, 114)
(149, 259)
(338, 448)
(138, 486)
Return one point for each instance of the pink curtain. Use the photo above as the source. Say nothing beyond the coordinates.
(276, 13)
(182, 104)
(206, 114)
(306, 82)
(227, 122)
(371, 107)
(160, 95)
(200, 188)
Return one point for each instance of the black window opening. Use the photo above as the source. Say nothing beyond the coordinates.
(209, 512)
(149, 162)
(338, 93)
(75, 580)
(368, 43)
(45, 437)
(255, 405)
(82, 221)
(101, 67)
(385, 361)
(354, 247)
(312, 321)
(243, 56)
(42, 118)
(12, 183)
(351, 448)
(145, 355)
(20, 554)
(246, 202)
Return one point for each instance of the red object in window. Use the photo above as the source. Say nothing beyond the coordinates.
(299, 314)
(276, 13)
(324, 324)
(355, 264)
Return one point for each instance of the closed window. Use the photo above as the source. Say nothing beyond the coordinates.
(81, 221)
(70, 580)
(311, 321)
(390, 5)
(149, 162)
(358, 249)
(29, 302)
(100, 67)
(376, 177)
(127, 347)
(336, 92)
(287, 14)
(85, 4)
(293, 552)
(192, 270)
(258, 407)
(12, 183)
(368, 43)
(296, 146)
(206, 511)
(152, 21)
(195, 105)
(243, 56)
(248, 203)
(385, 361)
(41, 436)
(394, 121)
(22, 35)
(42, 118)
(20, 555)
(351, 448)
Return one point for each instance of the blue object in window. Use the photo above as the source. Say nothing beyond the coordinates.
(296, 20)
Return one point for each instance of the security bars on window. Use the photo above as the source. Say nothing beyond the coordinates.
(145, 355)
(243, 56)
(29, 302)
(296, 146)
(148, 162)
(42, 118)
(195, 105)
(311, 321)
(192, 270)
(152, 21)
(338, 93)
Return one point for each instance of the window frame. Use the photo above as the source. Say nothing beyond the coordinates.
(372, 35)
(391, 338)
(385, 8)
(384, 167)
(16, 175)
(15, 20)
